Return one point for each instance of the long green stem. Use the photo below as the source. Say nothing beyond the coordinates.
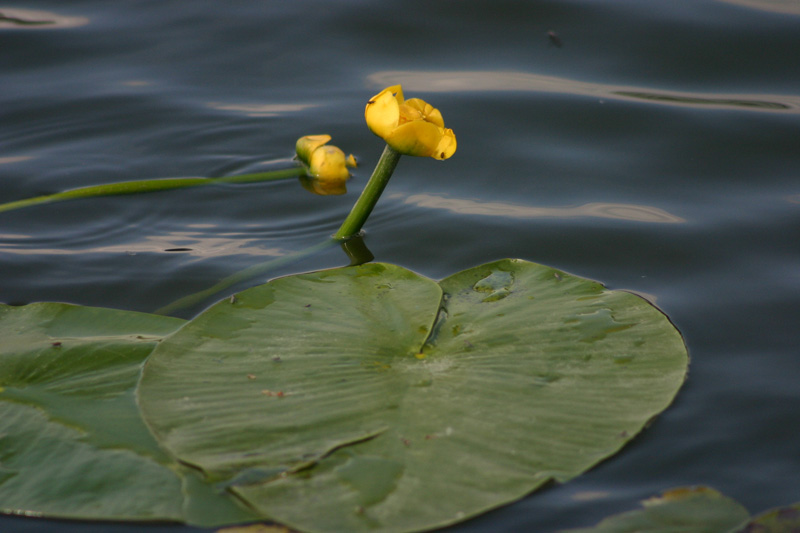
(370, 195)
(144, 186)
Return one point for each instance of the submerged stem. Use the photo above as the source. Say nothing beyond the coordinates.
(243, 275)
(349, 229)
(370, 195)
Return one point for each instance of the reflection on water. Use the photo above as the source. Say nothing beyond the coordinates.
(490, 80)
(186, 242)
(790, 7)
(591, 495)
(665, 98)
(137, 83)
(26, 19)
(637, 213)
(261, 110)
(14, 159)
(323, 187)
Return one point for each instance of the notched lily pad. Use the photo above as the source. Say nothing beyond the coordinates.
(370, 397)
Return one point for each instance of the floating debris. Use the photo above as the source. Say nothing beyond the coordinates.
(555, 40)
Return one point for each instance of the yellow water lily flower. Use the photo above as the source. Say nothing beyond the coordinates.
(411, 127)
(324, 161)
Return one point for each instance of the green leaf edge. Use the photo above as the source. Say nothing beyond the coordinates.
(48, 325)
(731, 516)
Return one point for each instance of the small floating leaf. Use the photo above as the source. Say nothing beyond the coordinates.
(780, 520)
(697, 510)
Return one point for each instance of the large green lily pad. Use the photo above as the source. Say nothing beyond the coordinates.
(372, 398)
(72, 442)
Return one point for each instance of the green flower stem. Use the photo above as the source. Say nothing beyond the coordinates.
(370, 195)
(153, 185)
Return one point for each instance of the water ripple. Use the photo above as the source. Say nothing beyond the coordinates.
(261, 110)
(507, 81)
(191, 243)
(789, 7)
(631, 212)
(26, 19)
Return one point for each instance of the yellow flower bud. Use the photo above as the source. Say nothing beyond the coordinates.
(326, 165)
(411, 127)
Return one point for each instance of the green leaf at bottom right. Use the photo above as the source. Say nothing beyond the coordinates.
(697, 510)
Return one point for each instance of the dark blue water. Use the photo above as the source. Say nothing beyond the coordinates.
(654, 146)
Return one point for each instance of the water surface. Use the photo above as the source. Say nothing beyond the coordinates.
(654, 146)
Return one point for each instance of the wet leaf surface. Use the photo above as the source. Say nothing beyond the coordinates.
(72, 441)
(384, 400)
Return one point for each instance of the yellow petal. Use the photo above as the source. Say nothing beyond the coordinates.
(446, 146)
(306, 145)
(397, 91)
(383, 111)
(417, 138)
(409, 113)
(425, 110)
